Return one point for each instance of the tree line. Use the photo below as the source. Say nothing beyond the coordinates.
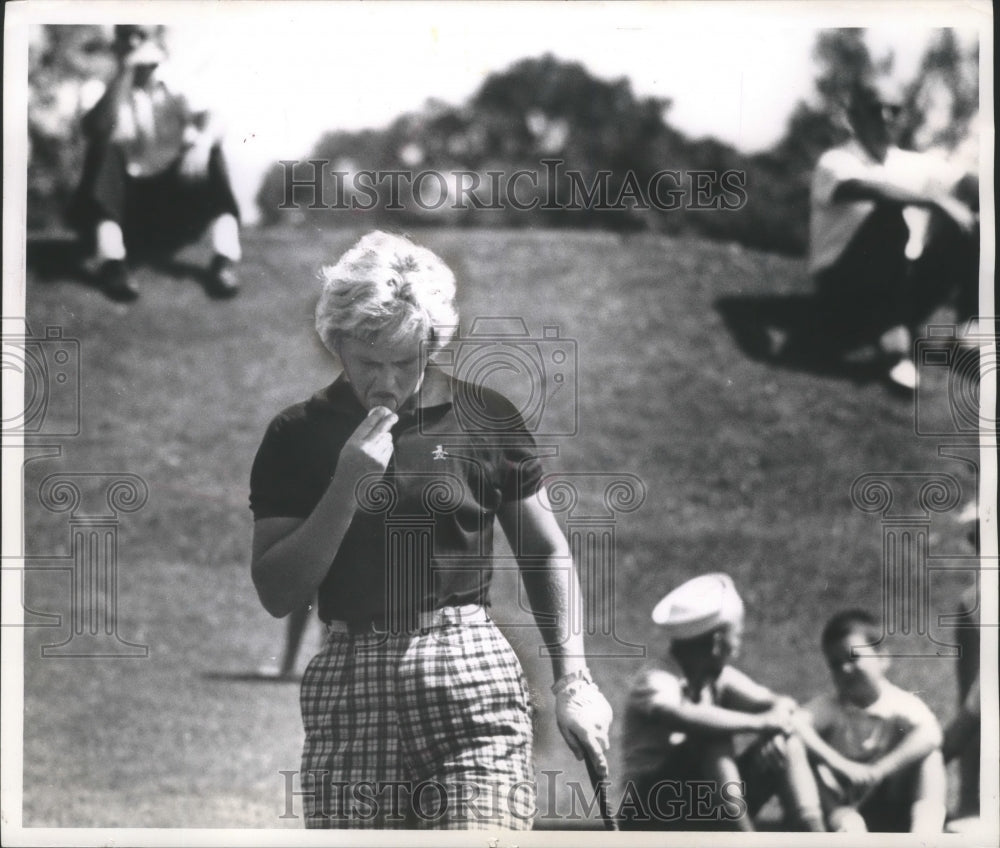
(620, 150)
(541, 143)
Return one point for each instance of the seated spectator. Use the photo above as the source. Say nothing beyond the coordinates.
(877, 749)
(682, 769)
(877, 280)
(154, 176)
(963, 734)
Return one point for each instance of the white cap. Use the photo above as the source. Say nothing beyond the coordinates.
(699, 606)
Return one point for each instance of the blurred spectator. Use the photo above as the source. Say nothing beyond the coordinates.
(154, 175)
(876, 748)
(963, 734)
(65, 63)
(681, 729)
(877, 280)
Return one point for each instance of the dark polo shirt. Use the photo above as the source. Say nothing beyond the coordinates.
(422, 534)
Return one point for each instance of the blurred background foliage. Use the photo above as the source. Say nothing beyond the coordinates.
(63, 64)
(543, 108)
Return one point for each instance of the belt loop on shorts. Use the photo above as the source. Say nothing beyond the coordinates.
(465, 614)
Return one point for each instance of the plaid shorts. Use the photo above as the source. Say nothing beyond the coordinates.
(426, 730)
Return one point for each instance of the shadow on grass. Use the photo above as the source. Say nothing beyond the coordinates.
(56, 257)
(781, 330)
(251, 677)
(59, 257)
(177, 269)
(770, 824)
(567, 824)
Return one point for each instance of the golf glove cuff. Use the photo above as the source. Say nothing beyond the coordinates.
(583, 715)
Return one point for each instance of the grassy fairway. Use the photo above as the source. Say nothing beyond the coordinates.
(747, 468)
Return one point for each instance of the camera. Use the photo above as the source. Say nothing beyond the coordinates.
(50, 368)
(963, 362)
(538, 375)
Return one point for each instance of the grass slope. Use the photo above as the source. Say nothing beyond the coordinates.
(747, 468)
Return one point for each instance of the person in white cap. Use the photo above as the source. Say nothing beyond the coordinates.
(680, 762)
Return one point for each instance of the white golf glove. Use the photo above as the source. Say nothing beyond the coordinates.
(584, 718)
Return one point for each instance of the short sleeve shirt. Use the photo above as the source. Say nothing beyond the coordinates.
(422, 533)
(833, 223)
(649, 734)
(151, 123)
(865, 734)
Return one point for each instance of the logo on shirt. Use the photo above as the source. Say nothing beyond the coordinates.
(439, 453)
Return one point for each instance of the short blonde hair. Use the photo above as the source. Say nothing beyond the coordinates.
(386, 283)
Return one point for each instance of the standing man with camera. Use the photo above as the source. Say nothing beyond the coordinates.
(154, 177)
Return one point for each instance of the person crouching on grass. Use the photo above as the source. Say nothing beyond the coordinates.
(877, 748)
(681, 765)
(154, 176)
(416, 711)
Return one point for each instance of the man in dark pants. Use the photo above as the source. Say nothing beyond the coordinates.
(877, 278)
(154, 177)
